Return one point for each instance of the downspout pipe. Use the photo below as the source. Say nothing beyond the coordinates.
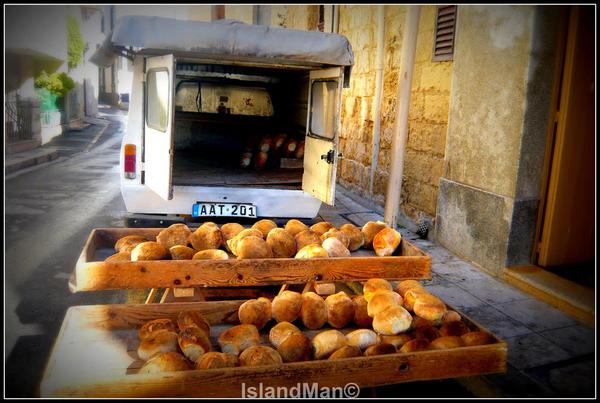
(378, 94)
(407, 62)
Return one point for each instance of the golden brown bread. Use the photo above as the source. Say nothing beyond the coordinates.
(253, 247)
(256, 312)
(119, 257)
(313, 311)
(176, 234)
(361, 316)
(373, 285)
(356, 238)
(230, 230)
(392, 320)
(419, 322)
(211, 254)
(396, 340)
(335, 248)
(165, 362)
(281, 243)
(149, 251)
(477, 338)
(369, 231)
(259, 355)
(380, 349)
(406, 285)
(215, 359)
(238, 338)
(311, 251)
(207, 236)
(454, 328)
(336, 233)
(325, 343)
(415, 345)
(362, 338)
(158, 342)
(305, 238)
(127, 243)
(193, 342)
(346, 352)
(155, 326)
(410, 297)
(340, 309)
(286, 306)
(429, 307)
(386, 241)
(180, 252)
(296, 347)
(444, 342)
(295, 226)
(193, 318)
(281, 331)
(232, 243)
(381, 299)
(425, 332)
(451, 316)
(321, 227)
(264, 226)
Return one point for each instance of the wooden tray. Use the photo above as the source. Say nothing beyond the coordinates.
(92, 273)
(95, 356)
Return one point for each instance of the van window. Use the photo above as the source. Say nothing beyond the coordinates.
(157, 100)
(323, 105)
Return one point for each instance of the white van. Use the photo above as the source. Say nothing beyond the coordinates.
(208, 98)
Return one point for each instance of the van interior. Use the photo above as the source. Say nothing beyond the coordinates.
(239, 126)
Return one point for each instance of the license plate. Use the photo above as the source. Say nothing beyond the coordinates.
(203, 209)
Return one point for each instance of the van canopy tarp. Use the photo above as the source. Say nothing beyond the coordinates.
(228, 39)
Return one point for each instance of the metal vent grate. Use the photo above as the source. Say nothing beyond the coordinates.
(443, 47)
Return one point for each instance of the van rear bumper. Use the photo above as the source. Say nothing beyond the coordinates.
(268, 202)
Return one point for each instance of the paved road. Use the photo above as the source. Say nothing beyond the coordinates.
(49, 212)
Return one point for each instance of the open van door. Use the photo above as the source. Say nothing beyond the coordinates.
(322, 133)
(158, 124)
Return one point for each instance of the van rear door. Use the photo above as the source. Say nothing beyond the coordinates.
(158, 124)
(322, 133)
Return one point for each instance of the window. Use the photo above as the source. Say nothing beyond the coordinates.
(157, 100)
(443, 47)
(323, 104)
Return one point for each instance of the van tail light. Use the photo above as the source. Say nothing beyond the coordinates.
(129, 161)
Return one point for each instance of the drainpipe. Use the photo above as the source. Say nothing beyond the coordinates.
(378, 92)
(407, 61)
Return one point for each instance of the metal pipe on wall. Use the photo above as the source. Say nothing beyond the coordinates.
(378, 93)
(407, 61)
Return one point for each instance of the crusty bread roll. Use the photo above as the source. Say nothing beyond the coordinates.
(193, 342)
(305, 238)
(392, 320)
(256, 312)
(158, 342)
(296, 347)
(415, 345)
(335, 248)
(286, 306)
(340, 309)
(381, 299)
(380, 349)
(180, 252)
(238, 338)
(127, 243)
(406, 285)
(119, 257)
(454, 328)
(386, 241)
(259, 355)
(336, 233)
(346, 352)
(155, 326)
(295, 226)
(477, 338)
(253, 247)
(210, 224)
(186, 319)
(264, 226)
(420, 322)
(165, 362)
(396, 340)
(361, 315)
(451, 316)
(228, 231)
(369, 231)
(215, 359)
(176, 234)
(444, 342)
(207, 236)
(356, 238)
(232, 243)
(321, 227)
(313, 311)
(325, 343)
(373, 285)
(149, 251)
(211, 254)
(362, 338)
(410, 297)
(281, 243)
(429, 307)
(281, 331)
(425, 332)
(311, 251)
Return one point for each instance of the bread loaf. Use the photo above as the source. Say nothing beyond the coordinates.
(340, 310)
(127, 243)
(158, 342)
(259, 355)
(415, 345)
(477, 338)
(228, 231)
(321, 227)
(214, 359)
(369, 231)
(361, 316)
(281, 331)
(311, 251)
(286, 306)
(420, 322)
(335, 248)
(149, 251)
(444, 342)
(305, 238)
(392, 320)
(256, 312)
(336, 233)
(253, 247)
(238, 338)
(451, 316)
(294, 348)
(373, 285)
(410, 297)
(211, 254)
(299, 153)
(381, 299)
(281, 243)
(356, 239)
(313, 311)
(260, 160)
(193, 342)
(246, 160)
(406, 285)
(176, 234)
(429, 307)
(155, 326)
(425, 332)
(325, 343)
(362, 338)
(386, 241)
(119, 257)
(186, 319)
(396, 340)
(455, 328)
(165, 362)
(232, 243)
(295, 226)
(346, 352)
(180, 252)
(380, 349)
(289, 147)
(278, 141)
(264, 226)
(207, 236)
